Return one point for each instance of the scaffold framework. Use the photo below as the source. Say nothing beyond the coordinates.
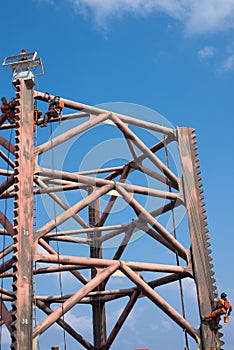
(111, 230)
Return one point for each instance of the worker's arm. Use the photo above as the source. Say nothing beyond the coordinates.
(218, 304)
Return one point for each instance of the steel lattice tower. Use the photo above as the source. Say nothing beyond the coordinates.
(32, 254)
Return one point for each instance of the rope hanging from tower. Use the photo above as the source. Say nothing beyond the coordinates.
(177, 256)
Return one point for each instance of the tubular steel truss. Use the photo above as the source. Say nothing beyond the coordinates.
(32, 253)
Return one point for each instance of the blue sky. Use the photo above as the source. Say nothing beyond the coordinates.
(174, 57)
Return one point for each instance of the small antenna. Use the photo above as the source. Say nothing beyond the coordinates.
(24, 66)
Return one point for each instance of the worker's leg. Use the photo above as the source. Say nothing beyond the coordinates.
(37, 116)
(11, 117)
(3, 118)
(45, 119)
(215, 314)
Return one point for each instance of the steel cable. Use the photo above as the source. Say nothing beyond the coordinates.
(177, 256)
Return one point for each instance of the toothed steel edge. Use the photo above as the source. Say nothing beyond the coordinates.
(16, 214)
(204, 224)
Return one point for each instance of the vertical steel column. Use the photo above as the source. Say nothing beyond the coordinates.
(198, 234)
(98, 306)
(23, 220)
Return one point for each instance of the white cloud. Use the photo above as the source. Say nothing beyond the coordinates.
(198, 16)
(206, 51)
(229, 63)
(164, 326)
(83, 323)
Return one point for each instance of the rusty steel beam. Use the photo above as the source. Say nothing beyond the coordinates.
(23, 220)
(6, 251)
(6, 265)
(155, 235)
(59, 201)
(70, 240)
(101, 263)
(7, 183)
(70, 133)
(169, 279)
(4, 291)
(96, 294)
(98, 307)
(43, 306)
(123, 243)
(68, 304)
(88, 230)
(50, 250)
(122, 318)
(73, 177)
(71, 211)
(140, 211)
(6, 172)
(7, 159)
(90, 181)
(5, 315)
(153, 174)
(7, 145)
(96, 111)
(202, 266)
(160, 302)
(54, 120)
(100, 171)
(62, 188)
(65, 117)
(112, 200)
(5, 222)
(137, 223)
(90, 221)
(48, 270)
(154, 159)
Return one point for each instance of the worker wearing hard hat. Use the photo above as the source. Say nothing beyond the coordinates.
(54, 111)
(8, 110)
(223, 307)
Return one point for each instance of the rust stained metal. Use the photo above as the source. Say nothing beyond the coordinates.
(68, 304)
(43, 306)
(96, 183)
(71, 133)
(98, 306)
(7, 159)
(140, 211)
(6, 316)
(96, 111)
(160, 302)
(122, 318)
(23, 221)
(71, 211)
(7, 183)
(6, 224)
(149, 154)
(102, 263)
(202, 267)
(7, 145)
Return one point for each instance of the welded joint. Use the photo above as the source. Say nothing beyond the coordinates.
(132, 164)
(189, 268)
(181, 196)
(36, 165)
(172, 135)
(198, 339)
(189, 271)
